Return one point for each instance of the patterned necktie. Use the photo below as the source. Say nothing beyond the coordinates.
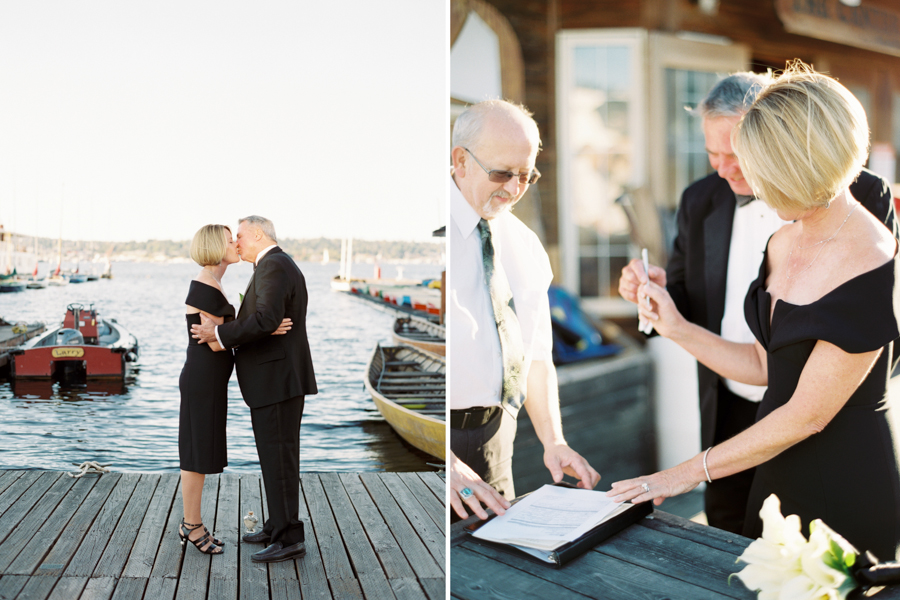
(511, 344)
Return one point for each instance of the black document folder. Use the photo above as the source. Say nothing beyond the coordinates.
(575, 548)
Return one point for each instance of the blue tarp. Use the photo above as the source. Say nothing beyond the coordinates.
(575, 338)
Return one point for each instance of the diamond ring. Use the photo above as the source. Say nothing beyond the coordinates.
(466, 493)
(645, 486)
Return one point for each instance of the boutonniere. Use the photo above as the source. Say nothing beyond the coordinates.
(241, 298)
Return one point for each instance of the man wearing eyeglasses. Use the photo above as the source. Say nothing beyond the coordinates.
(499, 313)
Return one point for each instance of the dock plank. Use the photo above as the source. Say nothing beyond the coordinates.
(254, 584)
(331, 546)
(129, 588)
(160, 588)
(49, 531)
(27, 527)
(422, 522)
(70, 539)
(168, 558)
(426, 498)
(94, 543)
(37, 588)
(140, 561)
(407, 589)
(435, 589)
(7, 478)
(114, 557)
(223, 582)
(67, 587)
(196, 565)
(311, 570)
(412, 546)
(23, 495)
(99, 588)
(436, 483)
(392, 559)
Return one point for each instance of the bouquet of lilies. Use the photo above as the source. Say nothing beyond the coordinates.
(783, 565)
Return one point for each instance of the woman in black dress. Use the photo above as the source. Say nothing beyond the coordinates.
(823, 313)
(204, 382)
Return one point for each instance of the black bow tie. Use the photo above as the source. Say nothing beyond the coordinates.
(744, 200)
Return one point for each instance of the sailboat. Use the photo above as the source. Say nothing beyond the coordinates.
(58, 278)
(35, 283)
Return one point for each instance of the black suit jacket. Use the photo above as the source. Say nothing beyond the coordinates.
(695, 275)
(272, 368)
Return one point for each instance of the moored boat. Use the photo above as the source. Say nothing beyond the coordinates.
(409, 390)
(421, 334)
(83, 346)
(12, 285)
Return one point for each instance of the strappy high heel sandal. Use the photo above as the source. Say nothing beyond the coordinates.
(215, 541)
(184, 531)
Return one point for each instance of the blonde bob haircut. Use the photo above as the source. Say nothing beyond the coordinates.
(209, 245)
(803, 141)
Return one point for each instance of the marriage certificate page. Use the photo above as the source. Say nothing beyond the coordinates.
(549, 517)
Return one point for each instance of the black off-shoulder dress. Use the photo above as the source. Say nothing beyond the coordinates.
(846, 475)
(204, 389)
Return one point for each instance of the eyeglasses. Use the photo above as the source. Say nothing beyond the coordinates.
(504, 176)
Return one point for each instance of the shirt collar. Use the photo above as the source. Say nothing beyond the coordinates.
(461, 211)
(263, 253)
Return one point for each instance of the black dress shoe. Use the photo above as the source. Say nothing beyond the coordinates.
(260, 537)
(277, 552)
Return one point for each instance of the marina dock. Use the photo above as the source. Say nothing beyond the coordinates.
(11, 336)
(114, 536)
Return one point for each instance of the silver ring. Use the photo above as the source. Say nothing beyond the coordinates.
(646, 487)
(466, 493)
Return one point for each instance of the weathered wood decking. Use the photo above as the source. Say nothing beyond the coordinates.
(368, 535)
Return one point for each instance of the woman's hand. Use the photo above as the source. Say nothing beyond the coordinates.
(284, 327)
(216, 320)
(662, 485)
(662, 313)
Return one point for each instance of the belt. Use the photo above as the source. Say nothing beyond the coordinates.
(470, 418)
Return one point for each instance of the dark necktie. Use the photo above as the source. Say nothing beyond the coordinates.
(511, 344)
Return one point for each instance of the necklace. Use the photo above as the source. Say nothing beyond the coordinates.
(211, 274)
(819, 243)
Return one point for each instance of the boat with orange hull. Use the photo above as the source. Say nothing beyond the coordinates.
(84, 346)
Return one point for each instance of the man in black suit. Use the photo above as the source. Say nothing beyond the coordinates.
(722, 232)
(275, 374)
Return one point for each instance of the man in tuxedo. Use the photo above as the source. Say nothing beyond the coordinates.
(722, 233)
(275, 374)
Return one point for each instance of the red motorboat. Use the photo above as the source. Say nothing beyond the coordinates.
(83, 347)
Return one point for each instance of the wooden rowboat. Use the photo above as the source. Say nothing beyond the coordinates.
(421, 334)
(409, 389)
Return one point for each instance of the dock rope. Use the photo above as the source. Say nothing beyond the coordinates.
(88, 466)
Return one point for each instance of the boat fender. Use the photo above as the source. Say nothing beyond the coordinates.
(131, 357)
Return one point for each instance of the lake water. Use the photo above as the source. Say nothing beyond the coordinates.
(135, 427)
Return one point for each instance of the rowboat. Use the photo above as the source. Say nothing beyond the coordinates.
(421, 334)
(408, 387)
(82, 347)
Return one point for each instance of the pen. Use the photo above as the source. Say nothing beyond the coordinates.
(646, 327)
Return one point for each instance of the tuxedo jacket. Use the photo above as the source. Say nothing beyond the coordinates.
(272, 368)
(695, 275)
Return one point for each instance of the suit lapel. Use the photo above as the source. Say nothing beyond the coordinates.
(717, 239)
(251, 289)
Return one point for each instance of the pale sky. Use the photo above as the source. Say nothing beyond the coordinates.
(153, 117)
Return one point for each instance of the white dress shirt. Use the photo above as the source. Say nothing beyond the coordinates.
(753, 224)
(255, 263)
(476, 363)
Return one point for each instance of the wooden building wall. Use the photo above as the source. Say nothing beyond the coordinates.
(752, 22)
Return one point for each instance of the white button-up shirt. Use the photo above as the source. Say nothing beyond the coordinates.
(753, 224)
(475, 363)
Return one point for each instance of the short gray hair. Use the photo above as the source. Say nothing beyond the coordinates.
(732, 95)
(263, 223)
(468, 126)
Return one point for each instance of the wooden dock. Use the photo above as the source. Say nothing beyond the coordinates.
(11, 336)
(114, 536)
